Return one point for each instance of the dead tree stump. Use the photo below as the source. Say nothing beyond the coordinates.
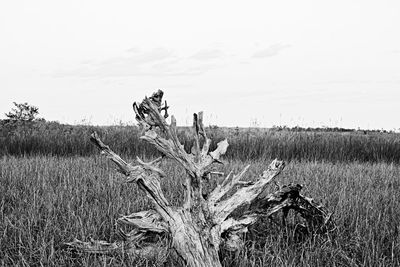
(209, 220)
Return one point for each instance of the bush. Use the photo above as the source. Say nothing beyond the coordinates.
(22, 112)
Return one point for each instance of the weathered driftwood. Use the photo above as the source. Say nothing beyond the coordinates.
(209, 220)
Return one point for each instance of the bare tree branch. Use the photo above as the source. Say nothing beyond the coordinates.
(156, 252)
(146, 178)
(246, 195)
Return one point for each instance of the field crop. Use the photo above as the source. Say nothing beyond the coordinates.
(46, 201)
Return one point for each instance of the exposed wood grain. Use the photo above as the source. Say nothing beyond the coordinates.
(209, 220)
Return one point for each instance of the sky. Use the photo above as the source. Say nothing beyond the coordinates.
(244, 63)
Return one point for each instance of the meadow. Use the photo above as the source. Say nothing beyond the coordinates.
(46, 201)
(50, 195)
(334, 145)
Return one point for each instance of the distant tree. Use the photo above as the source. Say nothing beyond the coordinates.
(23, 112)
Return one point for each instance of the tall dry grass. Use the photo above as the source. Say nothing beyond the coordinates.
(45, 201)
(46, 138)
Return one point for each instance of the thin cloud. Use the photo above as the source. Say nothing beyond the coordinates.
(134, 50)
(156, 62)
(208, 54)
(157, 54)
(270, 51)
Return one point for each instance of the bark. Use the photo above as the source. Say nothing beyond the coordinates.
(209, 220)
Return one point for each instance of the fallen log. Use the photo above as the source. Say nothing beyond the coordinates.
(209, 220)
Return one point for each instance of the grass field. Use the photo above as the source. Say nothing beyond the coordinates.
(45, 201)
(50, 138)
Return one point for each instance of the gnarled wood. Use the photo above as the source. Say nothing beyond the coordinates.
(209, 220)
(148, 221)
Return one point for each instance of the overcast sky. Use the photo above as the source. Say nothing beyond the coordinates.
(244, 63)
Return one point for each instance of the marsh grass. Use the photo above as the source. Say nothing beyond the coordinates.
(50, 138)
(46, 201)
